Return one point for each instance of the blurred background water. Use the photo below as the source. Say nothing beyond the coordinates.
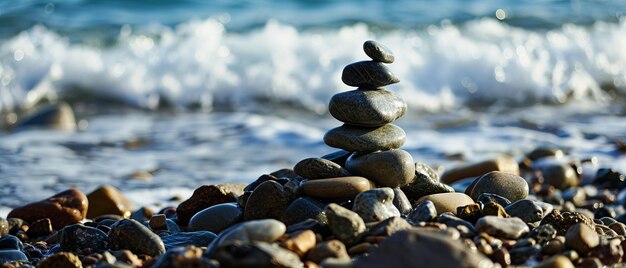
(171, 95)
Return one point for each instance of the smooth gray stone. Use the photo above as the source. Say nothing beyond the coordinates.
(393, 168)
(319, 168)
(345, 224)
(364, 139)
(182, 239)
(401, 202)
(12, 255)
(53, 116)
(525, 209)
(134, 236)
(378, 52)
(304, 208)
(265, 230)
(507, 185)
(426, 182)
(369, 108)
(368, 75)
(415, 248)
(375, 205)
(509, 228)
(425, 211)
(269, 200)
(216, 218)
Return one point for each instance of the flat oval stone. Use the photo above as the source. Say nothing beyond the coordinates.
(393, 168)
(369, 108)
(216, 218)
(507, 185)
(364, 139)
(561, 176)
(265, 230)
(525, 209)
(447, 202)
(65, 208)
(134, 236)
(375, 205)
(378, 52)
(76, 237)
(503, 163)
(319, 168)
(509, 228)
(368, 74)
(344, 187)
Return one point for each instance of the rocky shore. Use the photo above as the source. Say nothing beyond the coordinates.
(370, 204)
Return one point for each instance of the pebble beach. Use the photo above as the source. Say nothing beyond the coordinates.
(296, 134)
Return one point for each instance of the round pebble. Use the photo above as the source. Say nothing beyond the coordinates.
(447, 202)
(510, 186)
(378, 52)
(368, 108)
(216, 218)
(344, 187)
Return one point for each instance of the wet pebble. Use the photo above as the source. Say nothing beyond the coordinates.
(509, 228)
(526, 210)
(328, 249)
(375, 205)
(507, 185)
(268, 200)
(332, 188)
(447, 202)
(134, 236)
(345, 224)
(425, 211)
(65, 208)
(107, 199)
(76, 237)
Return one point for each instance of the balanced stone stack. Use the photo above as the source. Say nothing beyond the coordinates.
(367, 113)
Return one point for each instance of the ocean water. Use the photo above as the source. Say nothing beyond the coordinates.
(175, 94)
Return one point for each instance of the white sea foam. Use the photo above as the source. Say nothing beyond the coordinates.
(200, 63)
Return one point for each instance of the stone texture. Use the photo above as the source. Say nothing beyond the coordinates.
(319, 168)
(503, 164)
(378, 52)
(206, 196)
(561, 176)
(216, 218)
(344, 224)
(269, 200)
(393, 168)
(582, 238)
(507, 185)
(107, 199)
(375, 205)
(4, 227)
(525, 209)
(425, 211)
(508, 228)
(562, 221)
(368, 75)
(328, 249)
(401, 202)
(368, 108)
(426, 182)
(65, 208)
(447, 202)
(344, 187)
(304, 208)
(12, 255)
(365, 139)
(76, 237)
(389, 226)
(134, 236)
(53, 116)
(183, 239)
(558, 261)
(300, 242)
(256, 254)
(190, 256)
(413, 248)
(265, 230)
(11, 242)
(62, 259)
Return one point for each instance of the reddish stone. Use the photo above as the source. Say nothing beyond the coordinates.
(65, 208)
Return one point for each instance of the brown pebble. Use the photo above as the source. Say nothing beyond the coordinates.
(375, 239)
(300, 242)
(483, 246)
(343, 187)
(502, 257)
(591, 262)
(328, 249)
(553, 247)
(582, 238)
(206, 196)
(40, 228)
(107, 199)
(494, 209)
(65, 208)
(360, 248)
(63, 259)
(504, 164)
(447, 202)
(158, 222)
(556, 262)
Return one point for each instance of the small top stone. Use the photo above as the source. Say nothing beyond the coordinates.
(378, 52)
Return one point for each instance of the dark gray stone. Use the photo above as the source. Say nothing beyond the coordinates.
(488, 197)
(509, 228)
(304, 208)
(338, 157)
(257, 254)
(425, 211)
(414, 248)
(378, 52)
(182, 239)
(216, 218)
(76, 237)
(392, 168)
(426, 182)
(508, 185)
(11, 242)
(369, 108)
(269, 200)
(134, 236)
(345, 224)
(525, 209)
(364, 139)
(12, 255)
(265, 230)
(319, 168)
(368, 75)
(453, 221)
(401, 202)
(375, 205)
